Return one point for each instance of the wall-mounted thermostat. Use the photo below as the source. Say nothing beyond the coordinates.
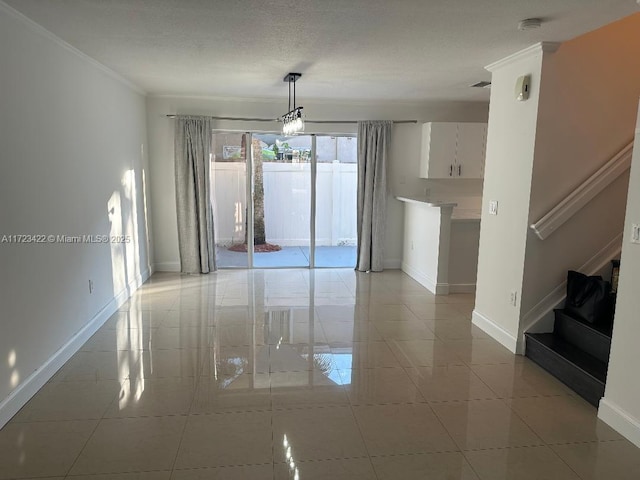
(522, 87)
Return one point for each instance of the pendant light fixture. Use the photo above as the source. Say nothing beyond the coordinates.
(292, 121)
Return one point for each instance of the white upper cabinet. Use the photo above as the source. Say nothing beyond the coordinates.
(453, 150)
(438, 150)
(470, 149)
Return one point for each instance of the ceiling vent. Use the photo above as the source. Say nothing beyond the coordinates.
(529, 24)
(482, 84)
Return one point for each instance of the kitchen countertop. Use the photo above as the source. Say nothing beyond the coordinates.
(458, 215)
(427, 202)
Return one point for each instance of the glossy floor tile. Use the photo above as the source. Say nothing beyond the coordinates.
(58, 401)
(155, 475)
(563, 419)
(232, 393)
(402, 429)
(341, 469)
(375, 386)
(335, 434)
(242, 438)
(520, 380)
(602, 460)
(153, 397)
(42, 449)
(477, 424)
(243, 472)
(302, 375)
(131, 445)
(444, 466)
(520, 464)
(452, 382)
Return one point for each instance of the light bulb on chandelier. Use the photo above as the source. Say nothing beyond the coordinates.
(293, 120)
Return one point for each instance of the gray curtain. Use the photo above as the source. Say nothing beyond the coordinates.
(373, 144)
(193, 200)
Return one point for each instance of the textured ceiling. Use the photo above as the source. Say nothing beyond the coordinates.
(410, 50)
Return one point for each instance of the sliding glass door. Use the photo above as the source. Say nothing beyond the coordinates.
(336, 201)
(302, 208)
(229, 184)
(281, 200)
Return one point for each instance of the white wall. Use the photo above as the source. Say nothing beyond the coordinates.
(440, 252)
(463, 255)
(426, 250)
(404, 155)
(586, 115)
(72, 162)
(507, 180)
(580, 114)
(620, 406)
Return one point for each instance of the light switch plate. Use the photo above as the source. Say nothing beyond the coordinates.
(513, 298)
(493, 207)
(635, 233)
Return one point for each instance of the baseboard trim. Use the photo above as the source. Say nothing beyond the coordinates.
(425, 281)
(392, 263)
(34, 382)
(442, 289)
(166, 267)
(462, 288)
(495, 331)
(625, 424)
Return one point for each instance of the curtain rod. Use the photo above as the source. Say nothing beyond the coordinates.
(242, 119)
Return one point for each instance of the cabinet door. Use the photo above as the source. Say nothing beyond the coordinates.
(438, 150)
(470, 150)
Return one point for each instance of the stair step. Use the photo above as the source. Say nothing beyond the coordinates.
(583, 373)
(592, 339)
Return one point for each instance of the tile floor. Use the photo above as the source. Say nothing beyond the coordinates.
(299, 374)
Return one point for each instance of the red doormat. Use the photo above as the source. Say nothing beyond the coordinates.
(263, 248)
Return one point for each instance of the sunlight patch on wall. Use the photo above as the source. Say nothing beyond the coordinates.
(146, 217)
(114, 210)
(130, 224)
(15, 375)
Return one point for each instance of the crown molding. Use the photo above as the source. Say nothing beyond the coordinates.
(541, 47)
(363, 102)
(40, 30)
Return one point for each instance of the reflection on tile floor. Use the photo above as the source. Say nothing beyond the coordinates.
(299, 374)
(289, 257)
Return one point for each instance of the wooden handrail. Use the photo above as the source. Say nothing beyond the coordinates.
(582, 195)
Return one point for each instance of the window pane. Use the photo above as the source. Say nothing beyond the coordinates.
(229, 182)
(282, 200)
(336, 201)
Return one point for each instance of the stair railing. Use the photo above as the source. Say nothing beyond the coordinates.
(584, 193)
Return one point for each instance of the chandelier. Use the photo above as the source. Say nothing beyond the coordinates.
(292, 121)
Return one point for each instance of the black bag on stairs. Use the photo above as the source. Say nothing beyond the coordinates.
(588, 298)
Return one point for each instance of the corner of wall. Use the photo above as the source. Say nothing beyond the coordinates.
(620, 420)
(496, 331)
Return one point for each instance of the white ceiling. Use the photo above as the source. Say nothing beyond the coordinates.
(408, 50)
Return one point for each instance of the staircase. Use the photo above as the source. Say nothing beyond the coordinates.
(576, 352)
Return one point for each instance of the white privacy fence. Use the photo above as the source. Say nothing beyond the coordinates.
(287, 203)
